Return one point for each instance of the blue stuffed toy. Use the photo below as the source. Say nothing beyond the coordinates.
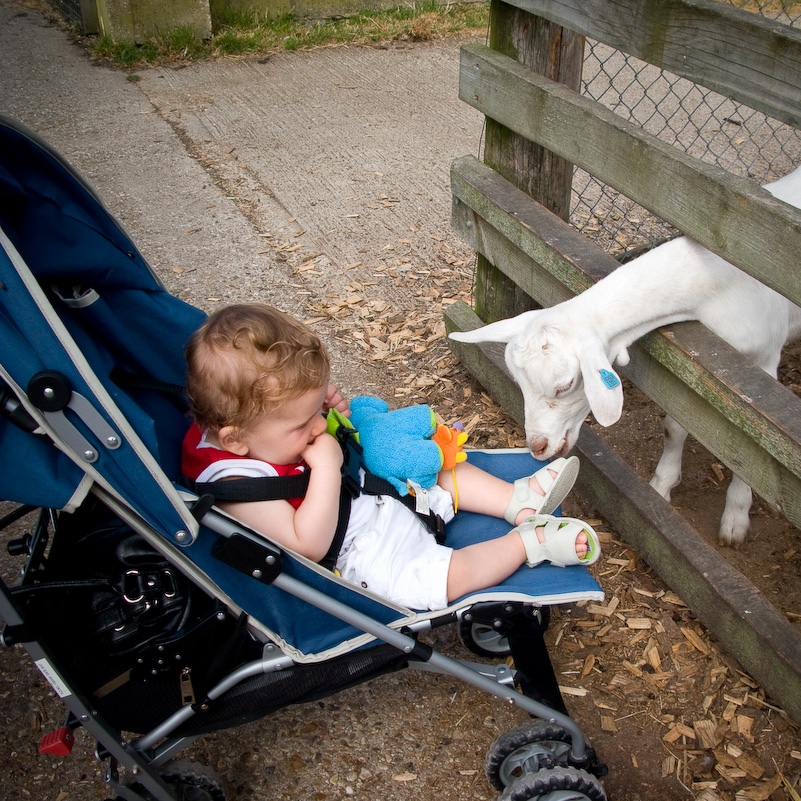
(404, 444)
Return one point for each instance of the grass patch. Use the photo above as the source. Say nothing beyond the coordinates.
(247, 33)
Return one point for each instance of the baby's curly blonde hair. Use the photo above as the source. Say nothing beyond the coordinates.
(247, 360)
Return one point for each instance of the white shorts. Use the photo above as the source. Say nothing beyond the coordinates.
(388, 550)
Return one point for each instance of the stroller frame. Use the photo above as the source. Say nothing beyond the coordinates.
(143, 756)
(93, 440)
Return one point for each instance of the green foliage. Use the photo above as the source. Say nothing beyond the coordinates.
(240, 33)
(127, 54)
(184, 42)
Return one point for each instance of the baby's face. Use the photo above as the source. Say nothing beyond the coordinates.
(281, 436)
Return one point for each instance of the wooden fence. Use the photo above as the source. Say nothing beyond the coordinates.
(529, 254)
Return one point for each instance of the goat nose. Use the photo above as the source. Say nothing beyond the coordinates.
(538, 445)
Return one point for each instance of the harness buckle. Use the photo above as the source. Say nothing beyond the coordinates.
(351, 460)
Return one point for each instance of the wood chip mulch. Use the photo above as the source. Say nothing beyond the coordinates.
(641, 657)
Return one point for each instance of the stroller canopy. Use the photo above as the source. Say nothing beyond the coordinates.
(92, 347)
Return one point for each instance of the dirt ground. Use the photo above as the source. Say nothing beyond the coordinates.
(337, 182)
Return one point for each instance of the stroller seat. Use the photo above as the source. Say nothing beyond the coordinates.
(311, 638)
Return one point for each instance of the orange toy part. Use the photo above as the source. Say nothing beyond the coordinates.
(450, 442)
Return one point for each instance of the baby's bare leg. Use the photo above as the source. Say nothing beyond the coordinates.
(488, 563)
(484, 564)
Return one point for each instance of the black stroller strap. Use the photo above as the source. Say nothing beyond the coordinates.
(244, 490)
(371, 484)
(374, 485)
(273, 488)
(329, 561)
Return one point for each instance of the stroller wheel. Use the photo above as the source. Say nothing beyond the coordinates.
(526, 749)
(481, 637)
(555, 784)
(191, 781)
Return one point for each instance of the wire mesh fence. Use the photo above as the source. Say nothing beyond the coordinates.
(71, 9)
(700, 122)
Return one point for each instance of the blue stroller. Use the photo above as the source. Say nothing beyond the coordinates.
(146, 608)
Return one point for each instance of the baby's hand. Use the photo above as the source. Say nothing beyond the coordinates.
(334, 399)
(324, 451)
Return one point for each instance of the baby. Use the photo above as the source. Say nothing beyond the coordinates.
(258, 387)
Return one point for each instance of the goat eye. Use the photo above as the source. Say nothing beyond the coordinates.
(564, 388)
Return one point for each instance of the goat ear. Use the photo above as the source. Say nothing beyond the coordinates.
(502, 331)
(601, 385)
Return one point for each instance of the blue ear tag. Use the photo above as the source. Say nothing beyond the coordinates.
(610, 379)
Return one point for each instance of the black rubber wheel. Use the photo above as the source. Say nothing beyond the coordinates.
(526, 749)
(481, 638)
(555, 784)
(191, 781)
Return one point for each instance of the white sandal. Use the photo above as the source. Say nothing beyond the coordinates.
(555, 489)
(560, 535)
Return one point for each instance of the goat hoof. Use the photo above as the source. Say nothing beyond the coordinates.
(732, 536)
(662, 487)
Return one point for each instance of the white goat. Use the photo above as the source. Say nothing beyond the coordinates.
(562, 356)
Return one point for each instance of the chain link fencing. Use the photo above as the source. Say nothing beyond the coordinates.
(72, 11)
(685, 115)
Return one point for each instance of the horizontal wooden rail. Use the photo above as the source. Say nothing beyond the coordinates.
(737, 53)
(731, 216)
(741, 414)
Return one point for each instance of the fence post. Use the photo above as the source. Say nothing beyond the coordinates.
(557, 53)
